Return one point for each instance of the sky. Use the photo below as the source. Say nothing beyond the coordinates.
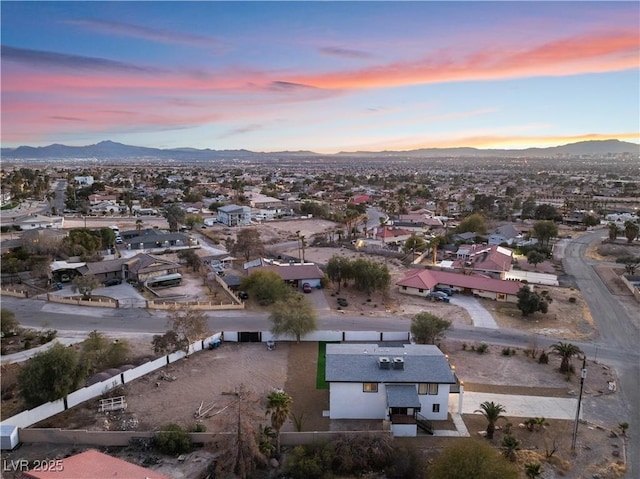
(319, 76)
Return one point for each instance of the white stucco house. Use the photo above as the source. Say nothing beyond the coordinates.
(407, 385)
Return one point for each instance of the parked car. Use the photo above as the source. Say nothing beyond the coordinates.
(439, 296)
(444, 289)
(112, 281)
(306, 287)
(243, 295)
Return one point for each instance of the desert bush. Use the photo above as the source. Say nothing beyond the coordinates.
(483, 348)
(172, 440)
(544, 358)
(572, 299)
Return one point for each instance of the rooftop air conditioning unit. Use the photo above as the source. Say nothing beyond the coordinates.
(384, 363)
(398, 363)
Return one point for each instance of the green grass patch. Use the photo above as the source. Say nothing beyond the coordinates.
(9, 206)
(322, 362)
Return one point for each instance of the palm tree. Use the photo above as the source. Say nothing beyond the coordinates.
(532, 469)
(509, 447)
(492, 412)
(139, 224)
(566, 351)
(279, 408)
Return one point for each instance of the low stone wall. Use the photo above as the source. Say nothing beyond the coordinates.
(634, 290)
(93, 303)
(195, 305)
(123, 438)
(16, 293)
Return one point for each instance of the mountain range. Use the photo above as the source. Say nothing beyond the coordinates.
(109, 150)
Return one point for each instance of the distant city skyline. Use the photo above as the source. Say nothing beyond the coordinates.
(320, 76)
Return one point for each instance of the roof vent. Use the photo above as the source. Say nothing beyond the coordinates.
(398, 363)
(384, 362)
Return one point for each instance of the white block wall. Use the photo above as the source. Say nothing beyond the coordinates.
(428, 400)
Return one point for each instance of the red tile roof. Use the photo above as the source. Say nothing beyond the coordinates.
(93, 464)
(427, 279)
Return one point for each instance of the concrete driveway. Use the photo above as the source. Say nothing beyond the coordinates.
(518, 406)
(479, 315)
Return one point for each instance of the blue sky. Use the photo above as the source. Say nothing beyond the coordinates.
(321, 76)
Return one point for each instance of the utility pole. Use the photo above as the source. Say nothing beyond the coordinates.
(583, 376)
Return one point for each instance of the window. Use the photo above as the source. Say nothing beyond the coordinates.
(427, 388)
(435, 408)
(370, 387)
(421, 290)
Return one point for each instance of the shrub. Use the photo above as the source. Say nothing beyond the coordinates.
(508, 352)
(483, 348)
(544, 358)
(572, 299)
(198, 427)
(464, 346)
(172, 440)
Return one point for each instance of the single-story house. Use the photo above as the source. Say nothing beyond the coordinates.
(152, 239)
(33, 222)
(391, 234)
(420, 282)
(293, 273)
(234, 215)
(407, 385)
(137, 268)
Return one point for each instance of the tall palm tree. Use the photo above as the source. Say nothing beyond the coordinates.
(492, 412)
(279, 408)
(139, 224)
(566, 351)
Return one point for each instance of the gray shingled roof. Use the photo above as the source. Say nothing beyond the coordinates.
(359, 363)
(402, 395)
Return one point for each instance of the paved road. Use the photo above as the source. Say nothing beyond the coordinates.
(618, 328)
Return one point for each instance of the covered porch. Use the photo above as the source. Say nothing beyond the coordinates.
(403, 410)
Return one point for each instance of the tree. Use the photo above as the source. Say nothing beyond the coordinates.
(631, 230)
(190, 257)
(99, 352)
(85, 285)
(8, 322)
(534, 257)
(338, 269)
(188, 324)
(426, 327)
(266, 286)
(370, 276)
(192, 220)
(545, 212)
(566, 351)
(528, 208)
(414, 244)
(471, 458)
(172, 440)
(248, 244)
(591, 220)
(293, 315)
(530, 302)
(51, 375)
(433, 244)
(175, 216)
(544, 231)
(492, 413)
(613, 231)
(278, 408)
(139, 224)
(474, 223)
(631, 263)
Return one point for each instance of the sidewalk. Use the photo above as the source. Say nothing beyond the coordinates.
(28, 353)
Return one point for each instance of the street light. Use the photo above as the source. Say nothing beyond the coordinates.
(583, 376)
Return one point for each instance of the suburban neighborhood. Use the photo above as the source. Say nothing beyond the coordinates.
(363, 287)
